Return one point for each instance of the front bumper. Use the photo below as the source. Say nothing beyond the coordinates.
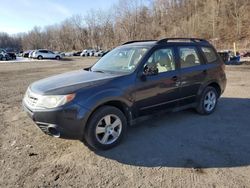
(69, 121)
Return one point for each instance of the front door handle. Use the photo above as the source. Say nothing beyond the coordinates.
(204, 71)
(175, 78)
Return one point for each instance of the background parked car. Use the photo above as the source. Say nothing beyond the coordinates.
(26, 53)
(31, 53)
(1, 57)
(225, 56)
(61, 53)
(99, 53)
(92, 52)
(46, 54)
(77, 53)
(247, 54)
(20, 54)
(10, 55)
(88, 52)
(84, 53)
(4, 57)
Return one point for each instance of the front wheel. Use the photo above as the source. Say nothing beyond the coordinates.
(208, 101)
(106, 128)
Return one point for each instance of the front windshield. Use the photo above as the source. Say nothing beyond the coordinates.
(121, 59)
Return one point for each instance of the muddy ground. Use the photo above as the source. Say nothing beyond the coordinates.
(181, 149)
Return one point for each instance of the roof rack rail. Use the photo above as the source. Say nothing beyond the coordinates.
(133, 41)
(197, 40)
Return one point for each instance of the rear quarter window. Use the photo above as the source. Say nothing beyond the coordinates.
(210, 54)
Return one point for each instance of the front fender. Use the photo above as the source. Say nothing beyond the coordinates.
(97, 98)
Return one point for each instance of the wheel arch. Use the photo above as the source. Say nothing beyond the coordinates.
(216, 86)
(121, 105)
(213, 84)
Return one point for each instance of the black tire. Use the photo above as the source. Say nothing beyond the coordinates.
(58, 58)
(96, 117)
(202, 108)
(40, 57)
(4, 59)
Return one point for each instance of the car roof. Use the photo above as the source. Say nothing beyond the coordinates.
(148, 43)
(169, 41)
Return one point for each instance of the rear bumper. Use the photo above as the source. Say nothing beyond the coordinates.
(66, 122)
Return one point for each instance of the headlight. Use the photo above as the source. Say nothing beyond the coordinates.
(53, 101)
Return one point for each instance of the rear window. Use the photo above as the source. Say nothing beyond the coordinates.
(209, 54)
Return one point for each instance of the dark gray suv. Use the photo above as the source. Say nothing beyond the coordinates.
(135, 79)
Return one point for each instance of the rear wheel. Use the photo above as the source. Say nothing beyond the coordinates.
(208, 101)
(4, 59)
(40, 57)
(58, 58)
(106, 128)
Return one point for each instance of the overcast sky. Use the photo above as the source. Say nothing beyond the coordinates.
(22, 15)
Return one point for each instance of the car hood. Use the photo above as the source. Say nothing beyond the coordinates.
(69, 82)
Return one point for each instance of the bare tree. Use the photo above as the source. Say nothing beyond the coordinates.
(221, 21)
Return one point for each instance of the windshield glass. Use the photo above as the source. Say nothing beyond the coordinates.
(122, 59)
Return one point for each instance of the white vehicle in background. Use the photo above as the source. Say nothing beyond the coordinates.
(92, 52)
(69, 54)
(61, 53)
(31, 53)
(46, 54)
(88, 52)
(99, 53)
(83, 53)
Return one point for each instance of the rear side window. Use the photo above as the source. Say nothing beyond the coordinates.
(209, 54)
(189, 57)
(43, 51)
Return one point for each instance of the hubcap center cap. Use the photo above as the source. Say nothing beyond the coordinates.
(109, 129)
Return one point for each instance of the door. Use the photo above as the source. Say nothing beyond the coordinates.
(51, 55)
(193, 73)
(157, 86)
(44, 53)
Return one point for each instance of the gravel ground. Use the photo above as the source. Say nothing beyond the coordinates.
(180, 149)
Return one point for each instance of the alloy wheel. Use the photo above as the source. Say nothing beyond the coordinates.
(108, 129)
(210, 101)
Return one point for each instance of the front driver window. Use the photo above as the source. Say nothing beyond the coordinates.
(162, 60)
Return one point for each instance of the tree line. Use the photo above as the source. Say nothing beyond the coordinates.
(220, 21)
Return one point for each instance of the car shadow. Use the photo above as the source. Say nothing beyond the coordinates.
(186, 139)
